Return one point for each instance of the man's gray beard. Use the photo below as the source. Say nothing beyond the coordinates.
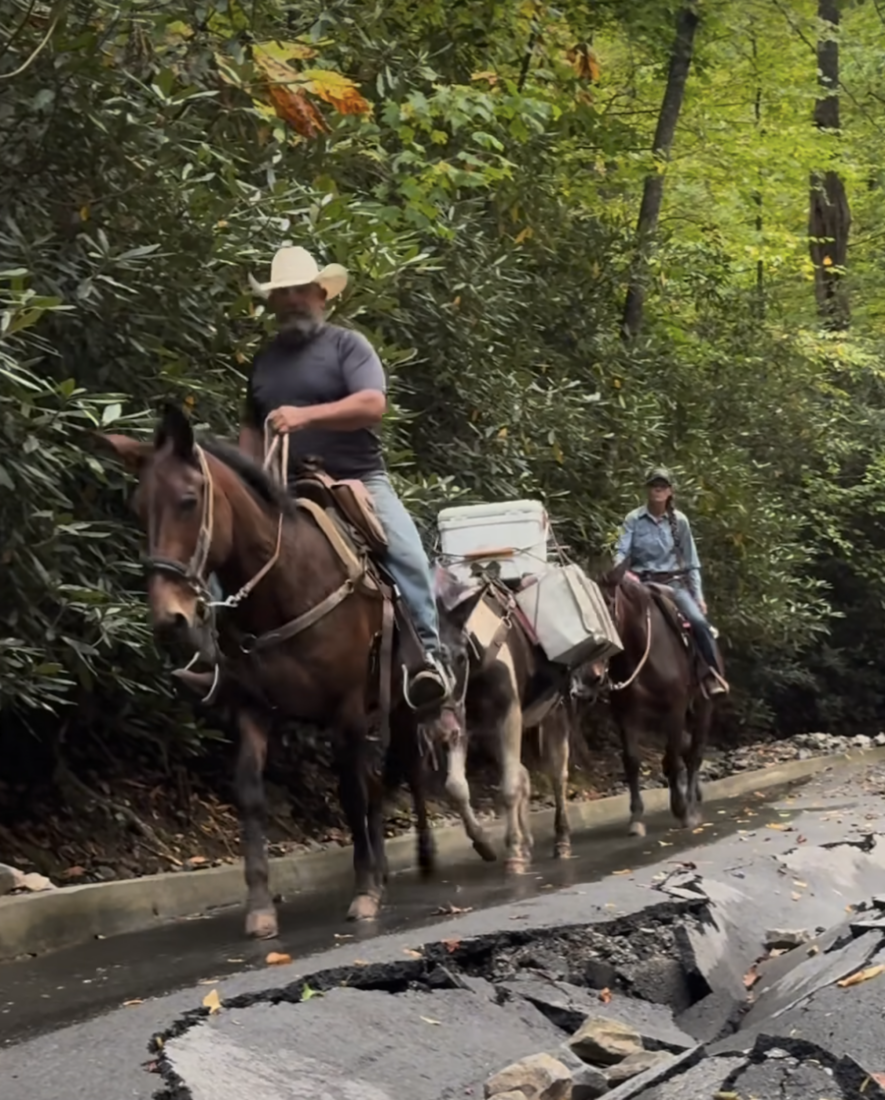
(298, 329)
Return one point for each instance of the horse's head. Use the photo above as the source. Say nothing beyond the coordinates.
(175, 502)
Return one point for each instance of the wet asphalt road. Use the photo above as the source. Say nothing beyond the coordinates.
(66, 1029)
(64, 987)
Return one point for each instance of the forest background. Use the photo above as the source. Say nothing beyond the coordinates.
(585, 237)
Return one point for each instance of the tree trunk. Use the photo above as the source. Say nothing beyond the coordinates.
(653, 190)
(829, 218)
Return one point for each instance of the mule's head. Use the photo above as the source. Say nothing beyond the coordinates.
(174, 502)
(455, 602)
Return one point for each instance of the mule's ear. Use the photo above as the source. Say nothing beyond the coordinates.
(131, 452)
(616, 575)
(175, 428)
(462, 611)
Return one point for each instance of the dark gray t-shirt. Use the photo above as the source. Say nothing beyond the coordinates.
(337, 362)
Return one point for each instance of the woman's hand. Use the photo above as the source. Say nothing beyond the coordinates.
(702, 604)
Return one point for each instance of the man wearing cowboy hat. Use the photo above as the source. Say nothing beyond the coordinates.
(324, 386)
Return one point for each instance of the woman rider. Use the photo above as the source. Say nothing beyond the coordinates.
(657, 544)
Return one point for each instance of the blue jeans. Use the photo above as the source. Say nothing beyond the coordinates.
(406, 558)
(687, 604)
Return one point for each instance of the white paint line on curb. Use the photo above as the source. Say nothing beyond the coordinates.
(37, 923)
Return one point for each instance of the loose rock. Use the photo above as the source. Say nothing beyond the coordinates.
(588, 1083)
(11, 878)
(785, 939)
(634, 1064)
(538, 1077)
(602, 1041)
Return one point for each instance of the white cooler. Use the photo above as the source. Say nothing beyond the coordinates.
(570, 617)
(512, 533)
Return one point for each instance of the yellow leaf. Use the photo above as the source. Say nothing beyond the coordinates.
(617, 383)
(584, 62)
(337, 89)
(862, 976)
(625, 872)
(524, 235)
(412, 953)
(213, 1002)
(502, 434)
(286, 51)
(84, 213)
(277, 958)
(492, 78)
(130, 1004)
(827, 261)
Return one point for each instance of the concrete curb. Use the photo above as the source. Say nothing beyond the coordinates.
(37, 923)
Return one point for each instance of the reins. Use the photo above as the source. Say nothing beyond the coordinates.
(619, 603)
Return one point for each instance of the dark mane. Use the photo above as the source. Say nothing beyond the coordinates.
(251, 474)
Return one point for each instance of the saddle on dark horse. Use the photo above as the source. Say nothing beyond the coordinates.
(663, 597)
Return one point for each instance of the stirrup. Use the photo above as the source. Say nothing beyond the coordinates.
(432, 673)
(719, 680)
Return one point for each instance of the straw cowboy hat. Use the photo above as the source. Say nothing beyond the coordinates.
(294, 266)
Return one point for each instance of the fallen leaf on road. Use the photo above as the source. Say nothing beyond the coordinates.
(626, 871)
(774, 825)
(360, 962)
(236, 960)
(519, 916)
(412, 953)
(343, 936)
(451, 945)
(751, 977)
(213, 1002)
(665, 843)
(136, 1001)
(277, 958)
(307, 993)
(726, 1096)
(796, 897)
(452, 910)
(799, 885)
(695, 832)
(208, 981)
(801, 839)
(428, 1020)
(605, 995)
(862, 976)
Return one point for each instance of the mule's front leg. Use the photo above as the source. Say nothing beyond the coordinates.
(630, 754)
(261, 915)
(555, 748)
(694, 759)
(676, 772)
(515, 792)
(353, 780)
(458, 792)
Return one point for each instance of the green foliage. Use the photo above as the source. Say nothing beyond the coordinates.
(483, 191)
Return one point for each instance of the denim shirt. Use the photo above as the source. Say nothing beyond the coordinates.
(646, 542)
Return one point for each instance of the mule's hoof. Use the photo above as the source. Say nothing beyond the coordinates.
(517, 865)
(693, 819)
(563, 850)
(364, 907)
(637, 828)
(484, 850)
(261, 924)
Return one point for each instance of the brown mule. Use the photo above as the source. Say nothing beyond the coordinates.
(303, 637)
(655, 684)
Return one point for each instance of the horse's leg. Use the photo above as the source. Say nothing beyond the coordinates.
(694, 758)
(458, 792)
(514, 784)
(261, 916)
(628, 727)
(555, 749)
(525, 812)
(353, 784)
(674, 764)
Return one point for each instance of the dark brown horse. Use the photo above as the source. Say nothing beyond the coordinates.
(654, 685)
(299, 638)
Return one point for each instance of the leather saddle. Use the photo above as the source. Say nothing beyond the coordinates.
(348, 505)
(680, 625)
(350, 499)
